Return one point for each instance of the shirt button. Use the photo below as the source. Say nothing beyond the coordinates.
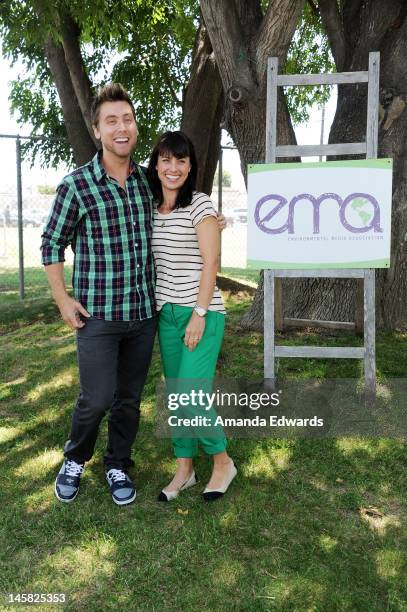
(138, 265)
(135, 224)
(136, 244)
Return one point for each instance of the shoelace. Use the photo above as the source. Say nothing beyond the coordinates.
(73, 469)
(116, 475)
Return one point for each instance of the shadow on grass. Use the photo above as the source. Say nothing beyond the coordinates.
(37, 305)
(295, 537)
(293, 532)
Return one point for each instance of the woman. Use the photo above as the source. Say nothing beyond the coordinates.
(192, 316)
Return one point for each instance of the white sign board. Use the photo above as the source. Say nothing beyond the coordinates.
(320, 215)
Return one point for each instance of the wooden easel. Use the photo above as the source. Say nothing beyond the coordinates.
(273, 315)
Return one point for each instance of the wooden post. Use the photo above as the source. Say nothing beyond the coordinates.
(359, 310)
(271, 144)
(269, 341)
(372, 131)
(370, 336)
(271, 118)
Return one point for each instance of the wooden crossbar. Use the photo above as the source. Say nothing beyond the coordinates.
(351, 148)
(334, 352)
(335, 78)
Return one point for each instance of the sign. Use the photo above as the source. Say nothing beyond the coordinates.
(320, 215)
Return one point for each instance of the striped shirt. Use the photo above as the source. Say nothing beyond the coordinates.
(110, 230)
(177, 257)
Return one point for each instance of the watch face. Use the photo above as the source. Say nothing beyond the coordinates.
(200, 310)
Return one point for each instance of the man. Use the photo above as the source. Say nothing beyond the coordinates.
(104, 209)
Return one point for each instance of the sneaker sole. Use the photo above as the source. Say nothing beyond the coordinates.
(126, 501)
(62, 499)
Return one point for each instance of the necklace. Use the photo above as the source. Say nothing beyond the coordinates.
(162, 224)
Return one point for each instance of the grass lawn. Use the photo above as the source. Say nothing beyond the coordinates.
(289, 535)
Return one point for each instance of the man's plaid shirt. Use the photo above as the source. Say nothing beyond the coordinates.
(110, 231)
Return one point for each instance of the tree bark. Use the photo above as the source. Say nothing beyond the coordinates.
(243, 39)
(202, 109)
(80, 81)
(369, 26)
(82, 145)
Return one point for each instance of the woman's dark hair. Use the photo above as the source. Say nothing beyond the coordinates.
(179, 145)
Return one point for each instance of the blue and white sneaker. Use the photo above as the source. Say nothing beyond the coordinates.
(121, 487)
(67, 481)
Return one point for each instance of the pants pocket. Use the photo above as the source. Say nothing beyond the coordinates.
(211, 324)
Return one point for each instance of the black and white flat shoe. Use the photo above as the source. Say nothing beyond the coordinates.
(212, 494)
(166, 496)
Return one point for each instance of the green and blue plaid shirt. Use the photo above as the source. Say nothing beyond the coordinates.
(110, 231)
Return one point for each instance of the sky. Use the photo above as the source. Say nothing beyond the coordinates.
(306, 134)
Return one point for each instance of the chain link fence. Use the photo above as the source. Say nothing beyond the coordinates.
(231, 199)
(26, 196)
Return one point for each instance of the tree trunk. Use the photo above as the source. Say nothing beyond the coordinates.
(364, 27)
(74, 62)
(203, 109)
(78, 135)
(243, 39)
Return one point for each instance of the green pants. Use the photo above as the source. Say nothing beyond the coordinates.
(183, 366)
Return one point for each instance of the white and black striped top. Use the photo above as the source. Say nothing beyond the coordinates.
(178, 261)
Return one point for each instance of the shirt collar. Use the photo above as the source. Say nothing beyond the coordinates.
(99, 170)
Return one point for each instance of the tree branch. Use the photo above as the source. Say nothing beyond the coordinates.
(224, 28)
(273, 39)
(167, 81)
(79, 138)
(74, 61)
(333, 27)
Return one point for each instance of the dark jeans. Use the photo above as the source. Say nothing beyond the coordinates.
(113, 358)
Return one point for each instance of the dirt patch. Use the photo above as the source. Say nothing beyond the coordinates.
(239, 288)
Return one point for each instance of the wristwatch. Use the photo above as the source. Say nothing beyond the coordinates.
(200, 310)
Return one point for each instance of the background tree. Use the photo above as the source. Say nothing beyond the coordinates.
(354, 28)
(164, 52)
(244, 34)
(226, 179)
(68, 49)
(203, 107)
(243, 37)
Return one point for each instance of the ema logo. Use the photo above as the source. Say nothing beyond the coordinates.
(365, 206)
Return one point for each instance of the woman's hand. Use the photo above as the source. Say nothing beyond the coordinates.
(194, 331)
(221, 221)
